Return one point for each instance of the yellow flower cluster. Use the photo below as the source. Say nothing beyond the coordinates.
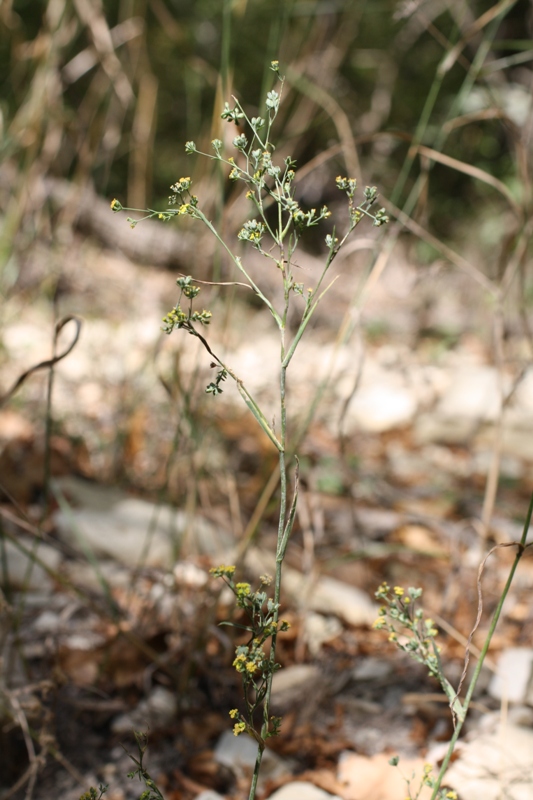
(223, 570)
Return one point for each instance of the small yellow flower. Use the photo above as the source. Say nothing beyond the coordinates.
(239, 728)
(452, 795)
(398, 591)
(250, 667)
(239, 663)
(234, 713)
(393, 637)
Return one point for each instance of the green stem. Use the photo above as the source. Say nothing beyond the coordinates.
(243, 391)
(521, 545)
(239, 266)
(282, 537)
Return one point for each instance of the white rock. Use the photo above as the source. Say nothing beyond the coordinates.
(115, 575)
(381, 407)
(187, 574)
(495, 765)
(323, 594)
(319, 629)
(133, 531)
(157, 711)
(518, 439)
(235, 751)
(292, 685)
(47, 622)
(300, 790)
(433, 427)
(515, 671)
(523, 396)
(86, 640)
(239, 754)
(347, 602)
(209, 794)
(21, 568)
(371, 669)
(474, 394)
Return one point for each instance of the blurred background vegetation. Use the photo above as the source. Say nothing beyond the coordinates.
(107, 93)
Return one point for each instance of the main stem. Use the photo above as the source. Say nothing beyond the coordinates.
(279, 563)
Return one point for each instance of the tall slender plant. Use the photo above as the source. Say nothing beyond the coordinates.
(276, 237)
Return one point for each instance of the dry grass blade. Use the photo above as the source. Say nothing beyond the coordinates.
(143, 131)
(473, 30)
(475, 116)
(91, 14)
(469, 169)
(339, 118)
(443, 248)
(86, 59)
(521, 548)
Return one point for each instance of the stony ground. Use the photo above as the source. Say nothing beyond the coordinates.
(114, 626)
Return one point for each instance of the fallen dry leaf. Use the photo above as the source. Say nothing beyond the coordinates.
(374, 778)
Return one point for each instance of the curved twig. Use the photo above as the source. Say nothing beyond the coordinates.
(50, 361)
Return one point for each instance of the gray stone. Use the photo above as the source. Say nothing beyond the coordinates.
(300, 790)
(130, 530)
(495, 765)
(371, 669)
(381, 406)
(319, 629)
(322, 594)
(433, 427)
(473, 393)
(235, 751)
(240, 752)
(331, 596)
(512, 682)
(113, 574)
(21, 568)
(294, 685)
(209, 794)
(49, 622)
(157, 711)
